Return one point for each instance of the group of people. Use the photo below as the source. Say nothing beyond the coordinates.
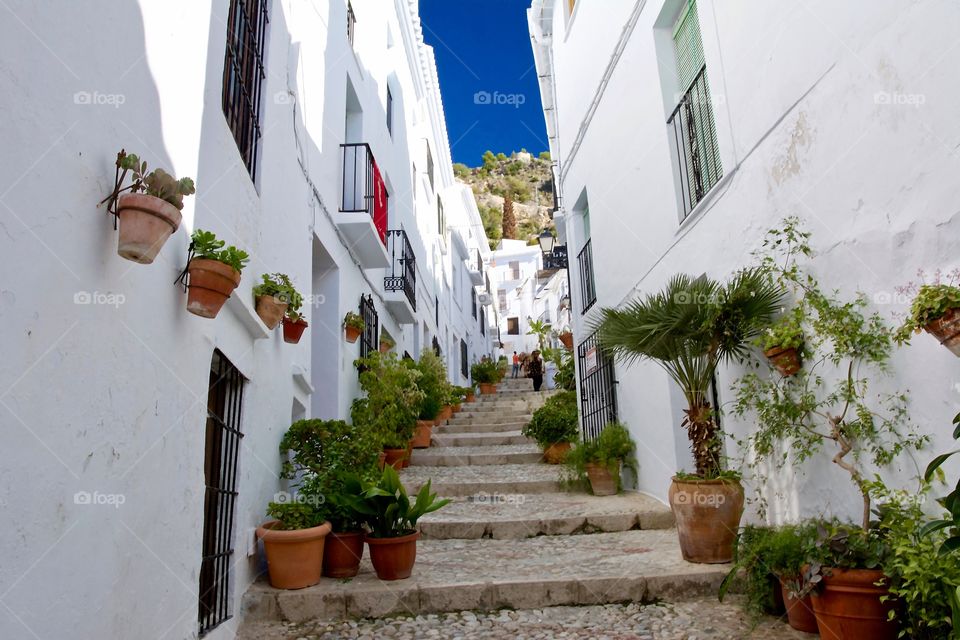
(529, 366)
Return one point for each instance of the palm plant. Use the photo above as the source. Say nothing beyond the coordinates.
(540, 329)
(690, 328)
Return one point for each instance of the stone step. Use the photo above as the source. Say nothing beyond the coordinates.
(497, 427)
(459, 575)
(525, 516)
(482, 455)
(478, 439)
(504, 479)
(467, 418)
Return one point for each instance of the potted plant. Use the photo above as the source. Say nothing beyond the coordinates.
(386, 342)
(353, 326)
(597, 462)
(554, 426)
(689, 329)
(457, 394)
(392, 403)
(149, 213)
(831, 410)
(294, 324)
(436, 391)
(272, 298)
(936, 309)
(566, 339)
(212, 274)
(471, 394)
(782, 343)
(316, 455)
(392, 520)
(486, 375)
(293, 542)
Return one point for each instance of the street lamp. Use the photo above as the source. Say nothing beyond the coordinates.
(546, 241)
(554, 255)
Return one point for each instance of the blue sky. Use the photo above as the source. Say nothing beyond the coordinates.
(487, 78)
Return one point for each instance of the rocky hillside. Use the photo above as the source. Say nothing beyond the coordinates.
(521, 180)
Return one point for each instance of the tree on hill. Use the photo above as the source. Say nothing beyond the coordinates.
(509, 219)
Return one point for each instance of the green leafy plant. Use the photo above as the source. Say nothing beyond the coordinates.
(385, 506)
(484, 372)
(827, 406)
(432, 383)
(278, 286)
(786, 333)
(932, 302)
(295, 515)
(157, 183)
(565, 377)
(689, 328)
(951, 502)
(392, 400)
(612, 449)
(556, 421)
(206, 246)
(540, 329)
(354, 321)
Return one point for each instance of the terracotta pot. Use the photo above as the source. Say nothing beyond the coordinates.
(146, 222)
(293, 330)
(407, 456)
(381, 461)
(946, 329)
(708, 515)
(786, 361)
(566, 338)
(471, 397)
(393, 558)
(445, 414)
(294, 558)
(602, 482)
(271, 310)
(799, 611)
(455, 409)
(556, 453)
(487, 388)
(385, 347)
(394, 457)
(210, 284)
(342, 553)
(848, 606)
(352, 334)
(421, 438)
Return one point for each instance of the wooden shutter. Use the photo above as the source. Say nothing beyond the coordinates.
(688, 45)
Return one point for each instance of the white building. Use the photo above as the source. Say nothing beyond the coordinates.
(843, 114)
(114, 482)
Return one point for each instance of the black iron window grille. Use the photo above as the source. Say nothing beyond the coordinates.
(483, 322)
(436, 311)
(694, 136)
(369, 341)
(441, 220)
(463, 358)
(243, 75)
(358, 179)
(430, 167)
(403, 269)
(598, 393)
(473, 298)
(588, 288)
(436, 347)
(479, 261)
(389, 111)
(513, 326)
(220, 470)
(351, 23)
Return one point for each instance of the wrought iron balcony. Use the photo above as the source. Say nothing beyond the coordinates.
(694, 135)
(588, 289)
(362, 217)
(401, 277)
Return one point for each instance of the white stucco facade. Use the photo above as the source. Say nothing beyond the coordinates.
(841, 114)
(103, 387)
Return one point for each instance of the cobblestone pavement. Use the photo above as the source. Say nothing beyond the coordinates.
(703, 619)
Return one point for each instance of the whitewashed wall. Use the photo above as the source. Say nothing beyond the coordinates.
(844, 115)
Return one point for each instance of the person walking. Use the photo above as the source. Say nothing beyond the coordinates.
(535, 370)
(516, 364)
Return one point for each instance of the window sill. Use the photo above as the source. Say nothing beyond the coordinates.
(247, 317)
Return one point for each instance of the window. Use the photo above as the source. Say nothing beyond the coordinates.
(598, 394)
(389, 111)
(441, 218)
(473, 297)
(463, 359)
(514, 269)
(483, 322)
(691, 125)
(220, 472)
(369, 339)
(430, 167)
(351, 23)
(513, 326)
(243, 74)
(502, 299)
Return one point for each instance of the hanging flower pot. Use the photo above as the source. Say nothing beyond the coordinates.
(421, 438)
(785, 359)
(293, 329)
(386, 343)
(271, 310)
(946, 329)
(353, 326)
(566, 338)
(146, 222)
(275, 296)
(935, 309)
(210, 284)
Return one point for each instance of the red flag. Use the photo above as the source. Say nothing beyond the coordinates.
(379, 203)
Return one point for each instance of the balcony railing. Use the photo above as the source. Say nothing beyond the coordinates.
(694, 136)
(588, 289)
(364, 190)
(403, 269)
(479, 261)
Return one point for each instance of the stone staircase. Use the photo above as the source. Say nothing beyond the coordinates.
(511, 538)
